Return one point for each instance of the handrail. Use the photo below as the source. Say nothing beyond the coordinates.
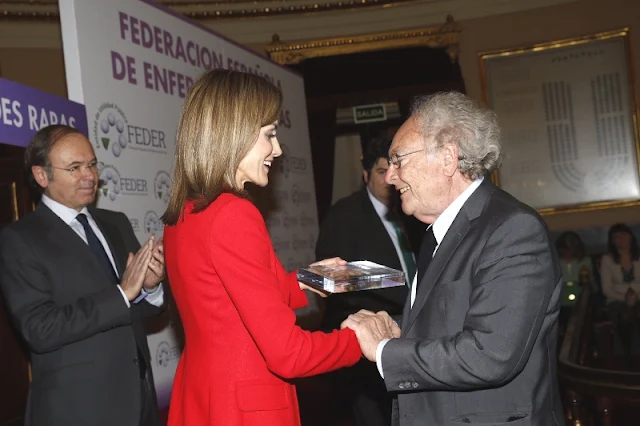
(587, 380)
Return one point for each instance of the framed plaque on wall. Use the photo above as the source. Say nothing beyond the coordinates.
(568, 117)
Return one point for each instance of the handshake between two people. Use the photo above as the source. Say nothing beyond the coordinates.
(371, 328)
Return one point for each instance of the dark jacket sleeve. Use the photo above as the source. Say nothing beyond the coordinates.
(336, 235)
(44, 324)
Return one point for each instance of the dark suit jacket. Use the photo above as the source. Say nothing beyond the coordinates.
(479, 344)
(353, 230)
(82, 337)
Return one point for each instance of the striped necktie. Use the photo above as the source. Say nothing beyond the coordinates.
(405, 247)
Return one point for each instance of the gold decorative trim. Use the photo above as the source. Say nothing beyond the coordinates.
(624, 33)
(246, 9)
(440, 36)
(26, 10)
(14, 201)
(207, 4)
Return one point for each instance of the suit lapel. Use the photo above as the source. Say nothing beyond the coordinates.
(461, 225)
(114, 241)
(66, 238)
(457, 231)
(406, 310)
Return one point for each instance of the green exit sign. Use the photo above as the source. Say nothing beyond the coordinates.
(369, 113)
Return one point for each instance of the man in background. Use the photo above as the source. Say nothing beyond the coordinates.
(366, 226)
(77, 294)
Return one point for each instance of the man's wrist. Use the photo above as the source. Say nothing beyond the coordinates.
(125, 296)
(151, 290)
(379, 349)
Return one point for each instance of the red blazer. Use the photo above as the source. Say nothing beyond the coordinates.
(236, 304)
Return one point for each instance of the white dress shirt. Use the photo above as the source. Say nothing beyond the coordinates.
(440, 228)
(382, 211)
(69, 215)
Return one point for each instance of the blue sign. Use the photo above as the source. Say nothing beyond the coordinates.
(24, 111)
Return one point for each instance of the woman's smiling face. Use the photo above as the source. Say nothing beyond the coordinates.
(255, 166)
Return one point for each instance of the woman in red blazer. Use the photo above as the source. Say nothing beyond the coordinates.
(235, 299)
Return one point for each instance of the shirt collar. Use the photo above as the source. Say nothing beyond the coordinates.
(67, 214)
(381, 209)
(444, 221)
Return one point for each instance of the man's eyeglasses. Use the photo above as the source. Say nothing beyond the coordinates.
(80, 169)
(394, 160)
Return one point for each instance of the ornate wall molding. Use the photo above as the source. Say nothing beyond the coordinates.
(215, 10)
(36, 24)
(440, 36)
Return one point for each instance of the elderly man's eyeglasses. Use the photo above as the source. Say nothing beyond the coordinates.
(79, 170)
(394, 160)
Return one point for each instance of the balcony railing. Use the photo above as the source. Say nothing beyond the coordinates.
(593, 393)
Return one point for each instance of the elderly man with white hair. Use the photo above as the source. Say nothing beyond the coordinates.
(479, 328)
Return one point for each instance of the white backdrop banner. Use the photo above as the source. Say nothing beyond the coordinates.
(131, 63)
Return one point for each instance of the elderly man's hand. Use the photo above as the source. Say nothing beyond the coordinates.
(371, 329)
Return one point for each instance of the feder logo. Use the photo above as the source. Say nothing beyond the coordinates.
(109, 182)
(306, 220)
(283, 161)
(165, 353)
(112, 132)
(113, 184)
(152, 223)
(290, 163)
(108, 128)
(300, 197)
(289, 221)
(161, 186)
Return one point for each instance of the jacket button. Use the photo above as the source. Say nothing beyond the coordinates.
(414, 384)
(136, 361)
(401, 385)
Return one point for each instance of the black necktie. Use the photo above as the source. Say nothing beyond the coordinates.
(97, 248)
(426, 253)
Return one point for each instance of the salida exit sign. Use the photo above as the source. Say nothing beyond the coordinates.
(369, 113)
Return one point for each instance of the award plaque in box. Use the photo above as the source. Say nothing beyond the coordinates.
(354, 276)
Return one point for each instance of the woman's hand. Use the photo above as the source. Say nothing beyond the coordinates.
(333, 261)
(317, 291)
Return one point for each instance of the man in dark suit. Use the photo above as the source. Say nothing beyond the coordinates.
(479, 331)
(77, 294)
(366, 226)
